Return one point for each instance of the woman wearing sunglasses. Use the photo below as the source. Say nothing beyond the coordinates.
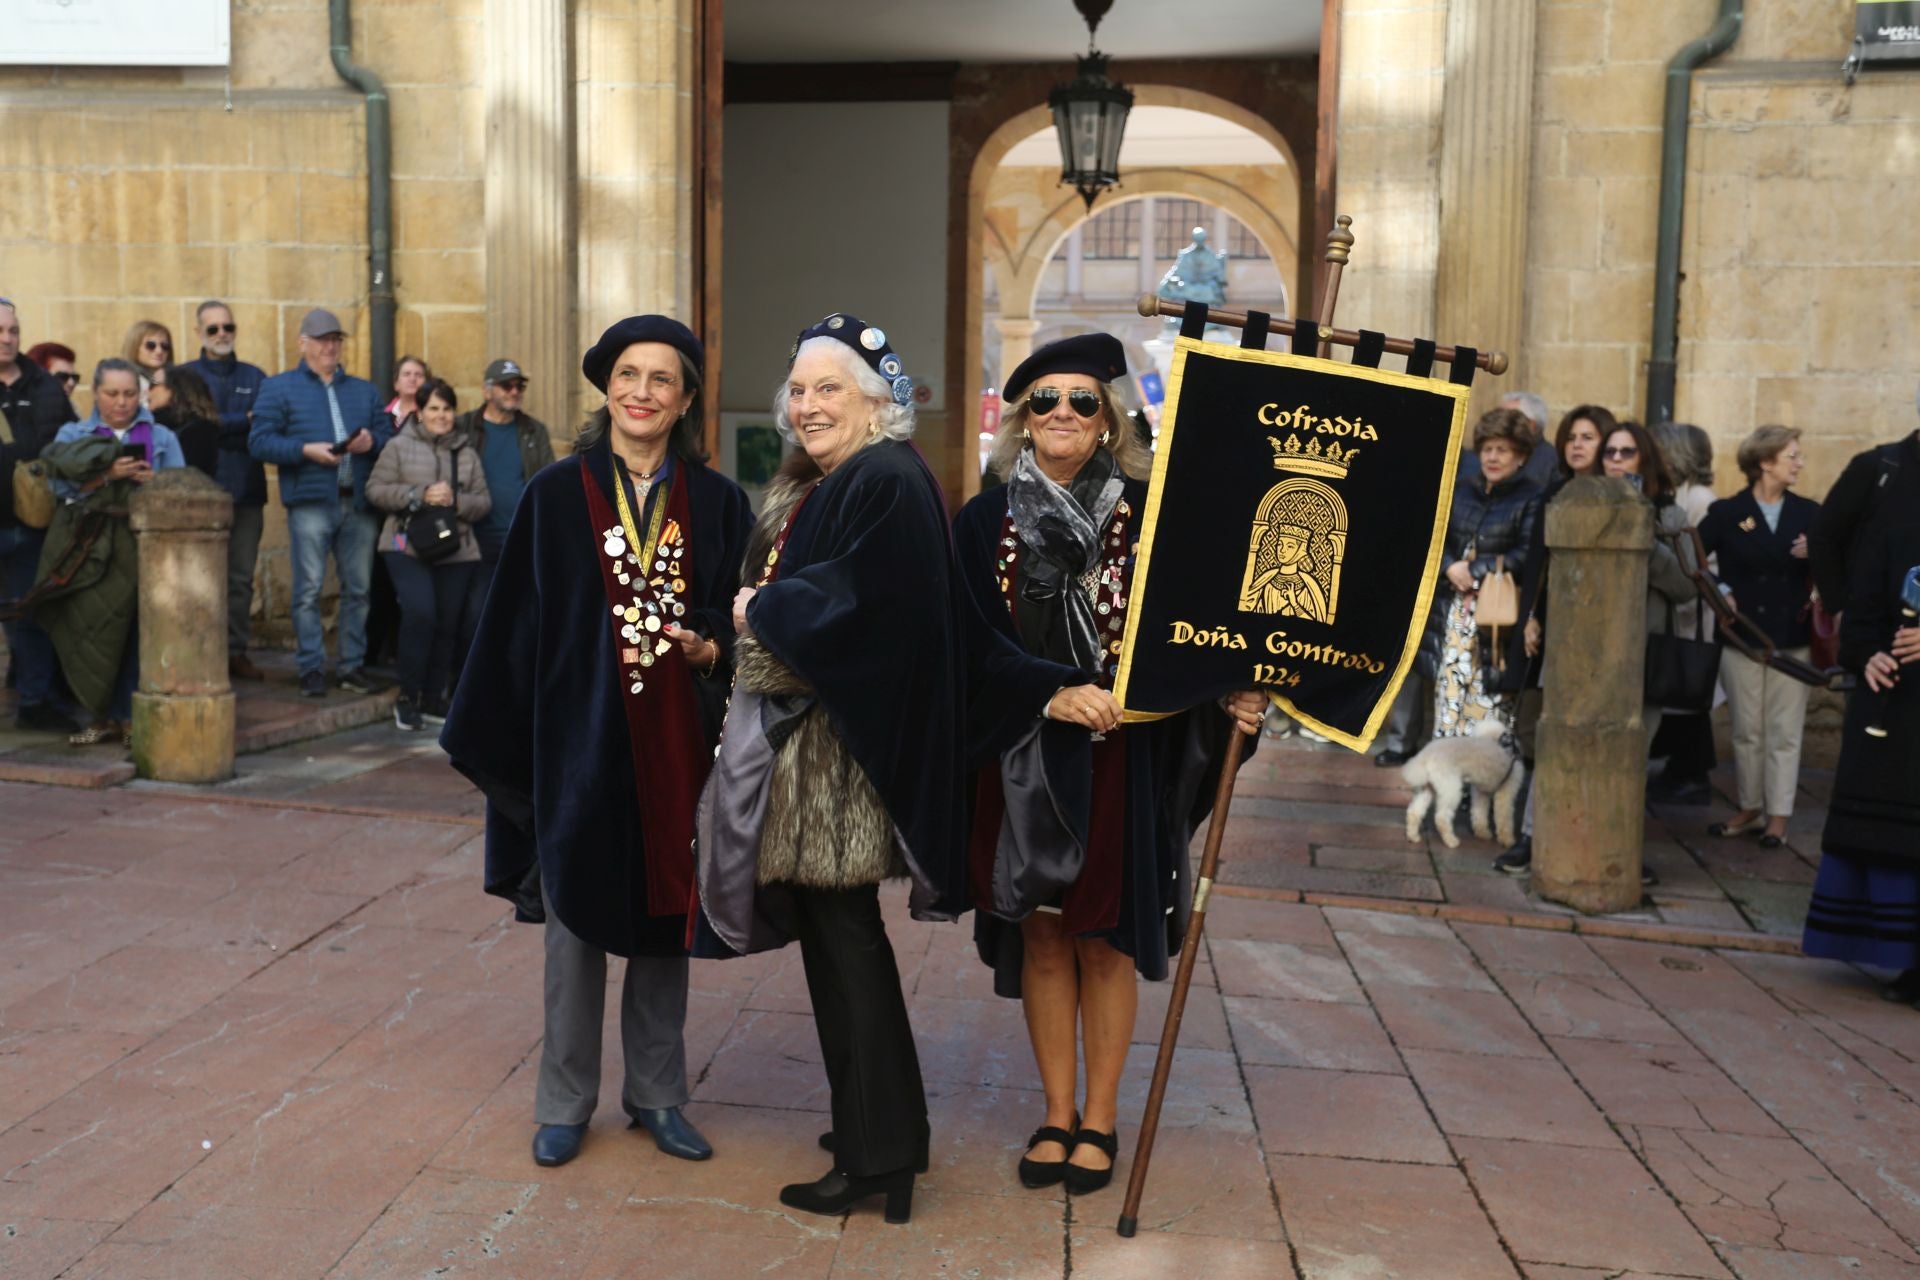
(58, 360)
(149, 349)
(1096, 887)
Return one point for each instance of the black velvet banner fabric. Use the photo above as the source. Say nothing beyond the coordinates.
(1292, 535)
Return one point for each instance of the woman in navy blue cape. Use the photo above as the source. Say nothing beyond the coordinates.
(587, 712)
(841, 762)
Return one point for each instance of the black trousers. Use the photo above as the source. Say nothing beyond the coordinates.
(879, 1103)
(437, 617)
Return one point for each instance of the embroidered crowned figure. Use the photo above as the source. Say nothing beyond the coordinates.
(1299, 537)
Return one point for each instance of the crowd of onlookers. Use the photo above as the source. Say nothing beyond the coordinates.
(1756, 540)
(407, 496)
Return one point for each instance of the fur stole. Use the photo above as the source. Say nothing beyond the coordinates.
(826, 827)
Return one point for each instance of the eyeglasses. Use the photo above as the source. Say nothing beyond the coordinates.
(1622, 451)
(1083, 402)
(68, 379)
(516, 384)
(213, 330)
(154, 344)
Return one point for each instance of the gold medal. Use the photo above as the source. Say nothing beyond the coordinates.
(679, 585)
(646, 659)
(631, 614)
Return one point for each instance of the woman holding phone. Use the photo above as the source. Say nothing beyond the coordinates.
(88, 593)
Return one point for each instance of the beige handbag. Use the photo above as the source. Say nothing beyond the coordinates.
(1497, 606)
(33, 500)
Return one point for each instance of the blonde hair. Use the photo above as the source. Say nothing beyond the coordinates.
(1123, 442)
(1763, 446)
(142, 329)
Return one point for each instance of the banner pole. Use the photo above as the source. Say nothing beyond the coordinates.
(1182, 979)
(1339, 250)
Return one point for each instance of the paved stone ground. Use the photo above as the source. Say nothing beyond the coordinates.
(275, 1031)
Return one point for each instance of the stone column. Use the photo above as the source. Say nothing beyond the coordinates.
(529, 200)
(1591, 772)
(183, 707)
(634, 119)
(1016, 342)
(1486, 148)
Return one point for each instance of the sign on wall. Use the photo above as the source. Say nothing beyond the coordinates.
(1887, 30)
(115, 33)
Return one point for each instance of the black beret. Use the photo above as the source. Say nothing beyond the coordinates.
(869, 342)
(597, 364)
(1098, 355)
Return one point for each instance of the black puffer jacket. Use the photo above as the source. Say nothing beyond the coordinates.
(1500, 522)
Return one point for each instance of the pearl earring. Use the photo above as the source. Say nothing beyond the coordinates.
(1105, 436)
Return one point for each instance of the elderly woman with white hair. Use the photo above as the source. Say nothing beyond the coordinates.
(840, 766)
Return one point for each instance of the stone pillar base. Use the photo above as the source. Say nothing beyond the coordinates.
(183, 737)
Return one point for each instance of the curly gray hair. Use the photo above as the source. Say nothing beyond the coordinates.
(891, 421)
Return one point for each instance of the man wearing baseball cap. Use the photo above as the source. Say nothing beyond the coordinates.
(322, 428)
(513, 446)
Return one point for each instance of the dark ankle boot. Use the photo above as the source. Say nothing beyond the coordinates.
(837, 1192)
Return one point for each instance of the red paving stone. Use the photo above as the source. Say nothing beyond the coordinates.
(275, 1030)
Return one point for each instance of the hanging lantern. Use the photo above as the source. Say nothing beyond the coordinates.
(1090, 117)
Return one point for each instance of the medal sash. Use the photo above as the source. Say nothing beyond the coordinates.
(655, 685)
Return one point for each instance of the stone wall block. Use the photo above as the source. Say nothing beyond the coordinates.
(1591, 779)
(332, 208)
(183, 709)
(1652, 33)
(283, 47)
(439, 214)
(1570, 35)
(1628, 221)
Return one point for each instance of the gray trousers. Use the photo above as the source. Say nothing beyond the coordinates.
(653, 1017)
(243, 548)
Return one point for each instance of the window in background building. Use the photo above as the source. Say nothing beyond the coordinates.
(1241, 242)
(1174, 221)
(1113, 233)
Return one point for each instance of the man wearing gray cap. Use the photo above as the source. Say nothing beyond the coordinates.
(322, 428)
(513, 446)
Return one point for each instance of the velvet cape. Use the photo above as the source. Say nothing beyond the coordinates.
(1172, 769)
(868, 609)
(538, 721)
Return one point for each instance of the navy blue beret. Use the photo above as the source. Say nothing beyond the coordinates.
(1098, 355)
(869, 342)
(597, 364)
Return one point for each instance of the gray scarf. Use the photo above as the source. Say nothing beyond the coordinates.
(1061, 528)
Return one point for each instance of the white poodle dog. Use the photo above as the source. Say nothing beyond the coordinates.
(1488, 761)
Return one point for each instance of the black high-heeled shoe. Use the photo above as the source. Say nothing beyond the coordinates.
(1082, 1180)
(1045, 1173)
(838, 1192)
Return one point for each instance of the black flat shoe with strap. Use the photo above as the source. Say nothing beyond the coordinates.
(1081, 1180)
(1046, 1173)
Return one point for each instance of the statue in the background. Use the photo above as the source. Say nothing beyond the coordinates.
(1199, 274)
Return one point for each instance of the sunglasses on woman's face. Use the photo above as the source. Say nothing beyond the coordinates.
(1623, 451)
(1083, 402)
(152, 344)
(68, 379)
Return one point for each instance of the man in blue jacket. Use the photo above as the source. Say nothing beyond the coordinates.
(323, 427)
(236, 388)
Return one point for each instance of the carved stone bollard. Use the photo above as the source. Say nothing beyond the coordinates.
(1591, 774)
(183, 707)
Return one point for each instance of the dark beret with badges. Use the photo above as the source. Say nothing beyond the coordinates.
(597, 364)
(1097, 355)
(869, 342)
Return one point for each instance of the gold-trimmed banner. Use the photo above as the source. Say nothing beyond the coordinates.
(1292, 536)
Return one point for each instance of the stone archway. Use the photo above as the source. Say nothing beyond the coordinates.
(1022, 253)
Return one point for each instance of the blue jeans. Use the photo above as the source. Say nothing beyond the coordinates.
(32, 648)
(315, 529)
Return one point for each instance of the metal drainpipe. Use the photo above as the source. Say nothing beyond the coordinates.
(380, 300)
(1663, 366)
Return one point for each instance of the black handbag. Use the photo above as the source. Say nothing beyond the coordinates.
(1681, 670)
(433, 533)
